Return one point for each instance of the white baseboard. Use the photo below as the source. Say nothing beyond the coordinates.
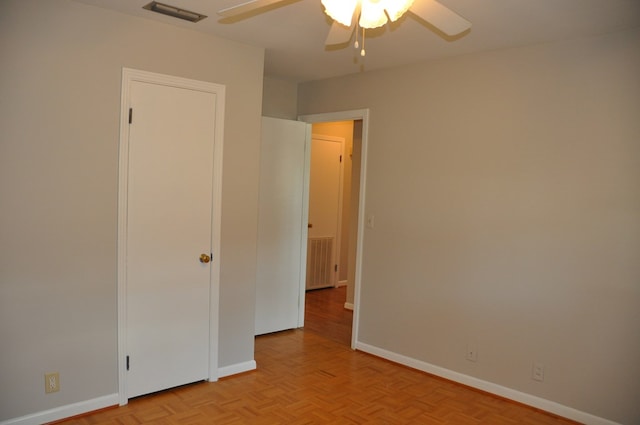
(236, 368)
(524, 398)
(63, 412)
(349, 306)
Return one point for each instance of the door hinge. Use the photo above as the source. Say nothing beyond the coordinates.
(130, 115)
(335, 268)
(340, 158)
(127, 362)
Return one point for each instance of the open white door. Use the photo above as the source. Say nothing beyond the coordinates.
(282, 223)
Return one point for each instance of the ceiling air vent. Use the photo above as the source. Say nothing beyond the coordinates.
(176, 12)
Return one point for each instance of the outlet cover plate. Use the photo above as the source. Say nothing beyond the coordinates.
(51, 382)
(538, 372)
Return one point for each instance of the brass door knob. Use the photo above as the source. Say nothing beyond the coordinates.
(204, 258)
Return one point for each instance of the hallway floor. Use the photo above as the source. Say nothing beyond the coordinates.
(325, 314)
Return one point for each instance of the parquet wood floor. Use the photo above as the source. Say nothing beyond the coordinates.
(304, 377)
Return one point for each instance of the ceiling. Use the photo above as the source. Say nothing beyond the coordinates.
(293, 32)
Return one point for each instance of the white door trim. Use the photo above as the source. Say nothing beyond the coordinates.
(357, 114)
(128, 77)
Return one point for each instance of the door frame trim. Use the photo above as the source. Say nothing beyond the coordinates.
(356, 114)
(128, 77)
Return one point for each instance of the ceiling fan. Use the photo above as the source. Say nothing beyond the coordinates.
(349, 14)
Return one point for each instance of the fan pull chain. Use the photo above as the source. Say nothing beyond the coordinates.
(356, 44)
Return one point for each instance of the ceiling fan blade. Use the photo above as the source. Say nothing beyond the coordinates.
(440, 17)
(339, 34)
(243, 8)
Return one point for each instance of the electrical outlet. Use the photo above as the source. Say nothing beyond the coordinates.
(51, 382)
(537, 373)
(472, 352)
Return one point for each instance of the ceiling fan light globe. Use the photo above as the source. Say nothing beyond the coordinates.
(396, 8)
(340, 10)
(372, 14)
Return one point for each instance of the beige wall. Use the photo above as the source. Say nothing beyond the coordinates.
(506, 193)
(280, 99)
(59, 121)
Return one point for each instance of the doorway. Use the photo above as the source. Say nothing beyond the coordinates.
(351, 125)
(284, 193)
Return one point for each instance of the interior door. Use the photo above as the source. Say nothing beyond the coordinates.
(169, 220)
(281, 225)
(325, 194)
